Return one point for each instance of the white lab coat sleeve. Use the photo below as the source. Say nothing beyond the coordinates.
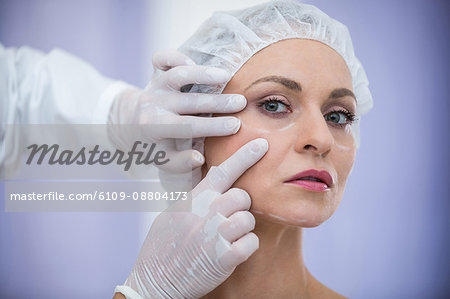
(53, 88)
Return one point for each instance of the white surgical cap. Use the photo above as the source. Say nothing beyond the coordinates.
(229, 39)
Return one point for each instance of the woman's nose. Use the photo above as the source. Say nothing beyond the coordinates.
(313, 134)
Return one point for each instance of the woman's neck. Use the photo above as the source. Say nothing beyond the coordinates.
(275, 270)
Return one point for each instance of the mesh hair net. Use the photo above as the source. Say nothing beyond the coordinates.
(229, 39)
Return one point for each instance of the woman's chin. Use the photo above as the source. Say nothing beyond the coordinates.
(294, 206)
(302, 214)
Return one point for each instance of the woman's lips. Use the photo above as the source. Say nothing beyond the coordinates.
(312, 179)
(310, 185)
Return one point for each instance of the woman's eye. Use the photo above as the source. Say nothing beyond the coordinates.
(274, 106)
(339, 117)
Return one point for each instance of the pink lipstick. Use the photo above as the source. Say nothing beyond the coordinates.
(312, 179)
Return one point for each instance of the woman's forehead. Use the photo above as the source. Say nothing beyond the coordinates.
(301, 60)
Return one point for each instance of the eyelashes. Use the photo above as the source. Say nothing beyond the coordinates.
(277, 108)
(348, 117)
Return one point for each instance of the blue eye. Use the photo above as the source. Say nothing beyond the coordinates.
(274, 106)
(340, 118)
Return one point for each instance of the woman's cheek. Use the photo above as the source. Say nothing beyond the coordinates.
(218, 149)
(346, 161)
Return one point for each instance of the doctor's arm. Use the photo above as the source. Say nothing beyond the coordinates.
(53, 88)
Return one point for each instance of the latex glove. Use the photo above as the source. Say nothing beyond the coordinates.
(189, 254)
(162, 102)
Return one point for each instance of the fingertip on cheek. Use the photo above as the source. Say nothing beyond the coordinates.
(218, 149)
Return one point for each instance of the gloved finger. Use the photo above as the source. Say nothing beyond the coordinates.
(178, 182)
(198, 144)
(183, 144)
(240, 251)
(201, 126)
(197, 176)
(166, 59)
(232, 201)
(238, 224)
(193, 103)
(183, 161)
(202, 201)
(221, 178)
(169, 127)
(212, 126)
(175, 161)
(179, 76)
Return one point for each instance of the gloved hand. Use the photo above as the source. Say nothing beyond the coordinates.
(162, 102)
(188, 254)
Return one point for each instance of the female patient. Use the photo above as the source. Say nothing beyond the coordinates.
(305, 92)
(299, 98)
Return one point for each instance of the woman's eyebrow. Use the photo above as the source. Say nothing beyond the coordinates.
(291, 84)
(341, 92)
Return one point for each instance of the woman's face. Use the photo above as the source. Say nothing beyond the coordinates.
(299, 98)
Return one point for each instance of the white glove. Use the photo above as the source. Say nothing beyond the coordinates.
(189, 254)
(162, 102)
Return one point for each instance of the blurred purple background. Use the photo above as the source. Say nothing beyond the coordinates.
(388, 239)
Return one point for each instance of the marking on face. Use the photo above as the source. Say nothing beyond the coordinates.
(342, 147)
